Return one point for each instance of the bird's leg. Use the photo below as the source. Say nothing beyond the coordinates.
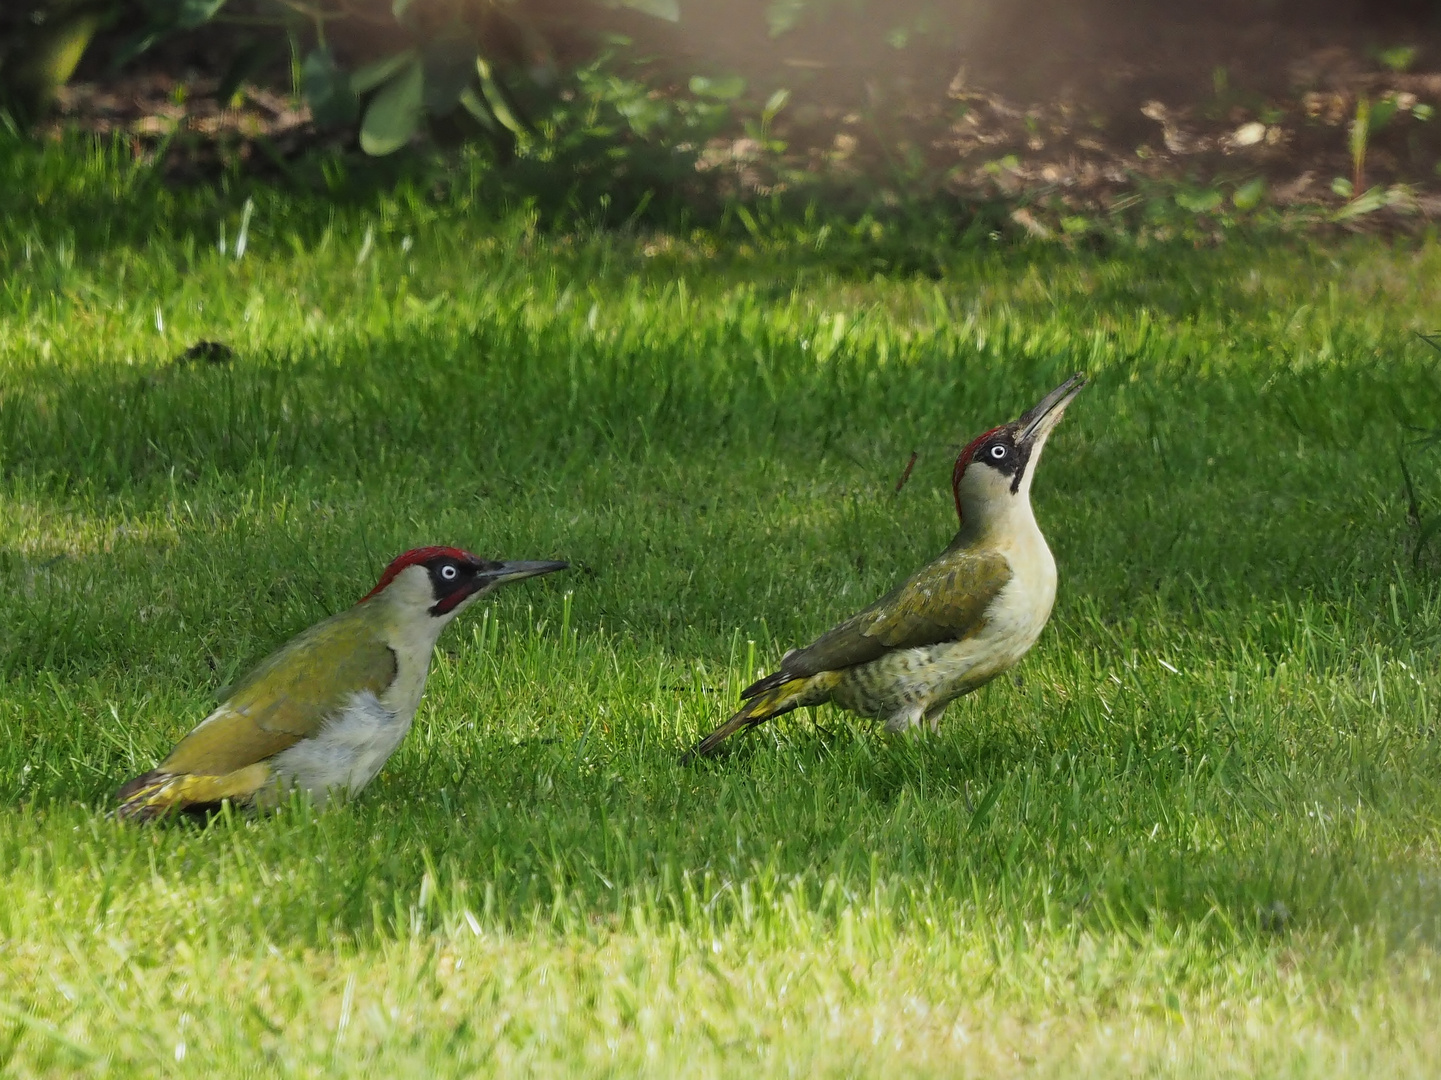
(906, 719)
(934, 714)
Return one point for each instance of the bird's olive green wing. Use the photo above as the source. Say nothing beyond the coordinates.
(288, 696)
(945, 601)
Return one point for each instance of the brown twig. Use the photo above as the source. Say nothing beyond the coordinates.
(906, 472)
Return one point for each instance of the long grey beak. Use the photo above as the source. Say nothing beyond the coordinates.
(500, 573)
(1043, 417)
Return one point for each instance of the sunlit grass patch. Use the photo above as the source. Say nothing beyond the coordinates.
(1195, 835)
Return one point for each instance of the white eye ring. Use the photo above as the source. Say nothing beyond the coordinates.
(997, 452)
(448, 572)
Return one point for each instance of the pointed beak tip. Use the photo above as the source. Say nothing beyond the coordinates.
(521, 569)
(1048, 411)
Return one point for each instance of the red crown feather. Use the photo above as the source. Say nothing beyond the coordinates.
(415, 557)
(964, 459)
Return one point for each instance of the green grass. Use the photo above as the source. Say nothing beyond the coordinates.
(1198, 835)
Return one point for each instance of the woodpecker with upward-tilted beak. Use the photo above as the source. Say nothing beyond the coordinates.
(953, 626)
(324, 711)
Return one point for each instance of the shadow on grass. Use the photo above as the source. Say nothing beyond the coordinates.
(976, 830)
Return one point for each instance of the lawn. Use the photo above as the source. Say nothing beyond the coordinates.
(1196, 835)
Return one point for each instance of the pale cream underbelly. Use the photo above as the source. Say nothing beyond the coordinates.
(346, 753)
(909, 685)
(906, 685)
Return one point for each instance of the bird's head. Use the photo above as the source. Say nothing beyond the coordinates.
(443, 581)
(993, 473)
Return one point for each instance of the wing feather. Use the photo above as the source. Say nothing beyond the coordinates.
(945, 601)
(288, 696)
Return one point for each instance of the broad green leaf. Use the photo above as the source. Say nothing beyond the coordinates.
(372, 75)
(394, 113)
(449, 65)
(53, 62)
(327, 89)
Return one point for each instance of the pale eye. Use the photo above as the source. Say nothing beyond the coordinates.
(448, 573)
(997, 453)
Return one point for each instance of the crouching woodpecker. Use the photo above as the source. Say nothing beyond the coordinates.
(954, 625)
(324, 711)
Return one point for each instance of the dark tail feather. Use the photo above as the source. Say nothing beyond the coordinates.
(760, 686)
(776, 699)
(138, 798)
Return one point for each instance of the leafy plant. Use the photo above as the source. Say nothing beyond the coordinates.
(40, 45)
(1360, 135)
(449, 72)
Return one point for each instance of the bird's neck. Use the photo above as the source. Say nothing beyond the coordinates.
(999, 524)
(414, 630)
(411, 633)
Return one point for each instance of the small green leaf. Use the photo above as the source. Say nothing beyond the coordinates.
(1199, 202)
(1399, 58)
(474, 104)
(724, 88)
(1248, 195)
(499, 101)
(1401, 195)
(1383, 111)
(1342, 187)
(1360, 132)
(394, 113)
(372, 75)
(1367, 202)
(775, 103)
(749, 221)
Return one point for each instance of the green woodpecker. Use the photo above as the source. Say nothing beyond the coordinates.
(325, 710)
(953, 626)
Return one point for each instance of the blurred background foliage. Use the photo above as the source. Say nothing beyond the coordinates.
(1064, 104)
